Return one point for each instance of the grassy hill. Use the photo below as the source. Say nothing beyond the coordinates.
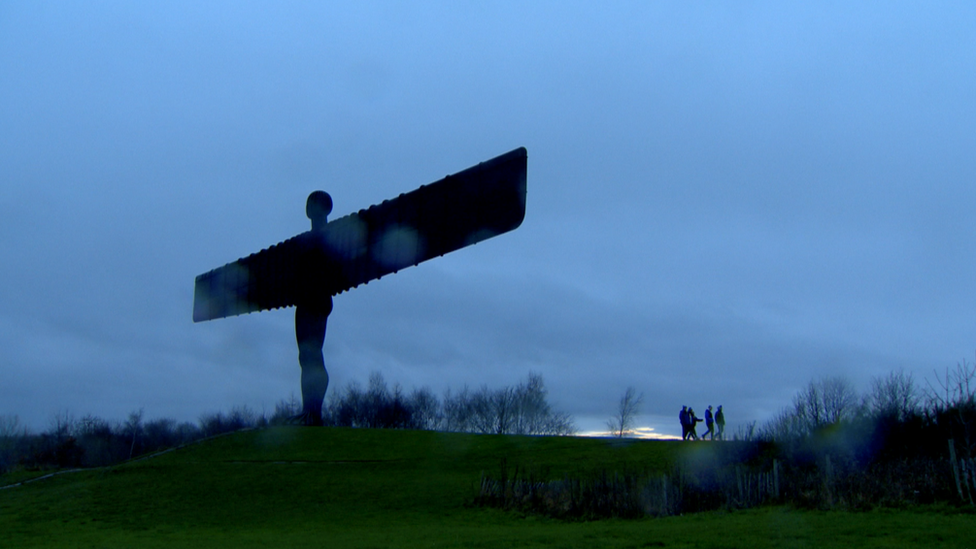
(299, 487)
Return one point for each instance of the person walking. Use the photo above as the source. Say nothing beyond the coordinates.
(709, 423)
(693, 422)
(683, 418)
(720, 422)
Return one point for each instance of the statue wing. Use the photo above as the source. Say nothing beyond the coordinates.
(468, 207)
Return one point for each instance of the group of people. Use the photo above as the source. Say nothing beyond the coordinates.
(689, 422)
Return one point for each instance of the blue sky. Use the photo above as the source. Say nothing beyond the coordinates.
(724, 201)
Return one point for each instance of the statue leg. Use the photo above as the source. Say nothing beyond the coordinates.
(310, 324)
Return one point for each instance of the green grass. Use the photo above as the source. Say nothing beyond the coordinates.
(299, 487)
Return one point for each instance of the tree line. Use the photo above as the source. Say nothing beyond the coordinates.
(94, 442)
(900, 443)
(521, 409)
(896, 417)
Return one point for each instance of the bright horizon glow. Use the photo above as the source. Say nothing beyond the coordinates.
(642, 433)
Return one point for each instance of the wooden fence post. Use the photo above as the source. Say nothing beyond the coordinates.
(955, 467)
(972, 476)
(738, 481)
(828, 480)
(665, 510)
(776, 479)
(965, 479)
(971, 480)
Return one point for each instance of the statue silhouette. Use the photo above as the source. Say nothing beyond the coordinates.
(306, 270)
(311, 316)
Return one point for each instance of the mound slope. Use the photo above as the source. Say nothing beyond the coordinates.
(298, 487)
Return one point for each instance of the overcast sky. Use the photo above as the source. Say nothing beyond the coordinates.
(725, 200)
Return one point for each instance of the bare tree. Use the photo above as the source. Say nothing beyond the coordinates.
(627, 410)
(133, 428)
(531, 413)
(10, 427)
(786, 425)
(824, 401)
(557, 424)
(955, 401)
(503, 412)
(287, 409)
(486, 411)
(425, 409)
(895, 396)
(531, 408)
(10, 431)
(91, 425)
(62, 425)
(956, 388)
(841, 401)
(458, 411)
(158, 434)
(482, 411)
(746, 432)
(522, 409)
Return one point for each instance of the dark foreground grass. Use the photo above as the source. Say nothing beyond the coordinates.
(295, 487)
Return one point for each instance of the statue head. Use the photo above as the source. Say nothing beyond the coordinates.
(317, 208)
